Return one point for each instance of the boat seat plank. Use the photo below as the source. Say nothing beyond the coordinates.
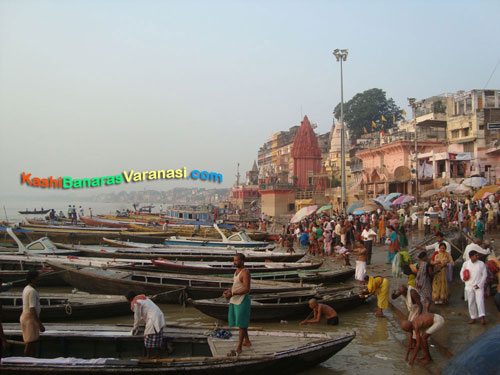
(261, 345)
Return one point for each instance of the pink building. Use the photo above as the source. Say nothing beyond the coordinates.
(387, 168)
(306, 156)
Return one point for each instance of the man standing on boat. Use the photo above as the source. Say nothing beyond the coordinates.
(239, 303)
(30, 321)
(146, 311)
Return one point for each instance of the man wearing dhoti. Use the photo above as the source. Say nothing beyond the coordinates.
(239, 303)
(30, 321)
(474, 274)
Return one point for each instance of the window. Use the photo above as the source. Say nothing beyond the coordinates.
(465, 132)
(469, 147)
(454, 134)
(468, 105)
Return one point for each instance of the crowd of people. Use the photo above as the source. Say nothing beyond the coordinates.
(339, 236)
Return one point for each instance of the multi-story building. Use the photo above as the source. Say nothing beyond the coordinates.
(472, 128)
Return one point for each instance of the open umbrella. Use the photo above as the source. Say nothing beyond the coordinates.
(475, 182)
(381, 197)
(430, 193)
(486, 189)
(385, 205)
(354, 206)
(303, 213)
(403, 199)
(461, 189)
(449, 188)
(392, 196)
(324, 208)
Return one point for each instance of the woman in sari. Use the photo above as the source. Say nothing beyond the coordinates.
(381, 229)
(380, 287)
(393, 245)
(440, 288)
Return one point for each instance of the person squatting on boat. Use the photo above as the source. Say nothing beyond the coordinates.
(318, 311)
(31, 325)
(147, 312)
(239, 303)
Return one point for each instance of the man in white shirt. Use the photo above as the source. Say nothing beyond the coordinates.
(368, 236)
(145, 311)
(30, 321)
(474, 274)
(435, 245)
(476, 246)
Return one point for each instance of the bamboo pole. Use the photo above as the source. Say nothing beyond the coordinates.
(233, 358)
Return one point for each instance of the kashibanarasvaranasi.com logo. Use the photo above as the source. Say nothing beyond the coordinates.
(124, 177)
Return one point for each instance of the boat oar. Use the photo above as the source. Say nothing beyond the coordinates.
(50, 273)
(206, 359)
(182, 301)
(455, 246)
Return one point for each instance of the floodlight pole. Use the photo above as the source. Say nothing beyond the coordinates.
(341, 55)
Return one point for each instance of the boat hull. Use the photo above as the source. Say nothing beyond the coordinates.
(196, 355)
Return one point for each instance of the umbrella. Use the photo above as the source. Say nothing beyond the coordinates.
(449, 188)
(486, 189)
(486, 195)
(461, 189)
(392, 196)
(430, 193)
(385, 205)
(303, 213)
(324, 208)
(359, 212)
(381, 197)
(475, 182)
(403, 199)
(354, 206)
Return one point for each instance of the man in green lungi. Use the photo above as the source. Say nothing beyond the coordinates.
(239, 303)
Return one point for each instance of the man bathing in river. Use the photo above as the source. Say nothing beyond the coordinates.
(319, 310)
(424, 325)
(239, 303)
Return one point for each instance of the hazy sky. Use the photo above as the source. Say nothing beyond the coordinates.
(92, 88)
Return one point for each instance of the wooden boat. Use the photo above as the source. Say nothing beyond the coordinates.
(18, 277)
(212, 268)
(184, 254)
(238, 240)
(170, 286)
(278, 306)
(320, 276)
(35, 212)
(195, 353)
(101, 222)
(58, 307)
(43, 246)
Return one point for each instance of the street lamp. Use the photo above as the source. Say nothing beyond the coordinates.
(341, 55)
(414, 105)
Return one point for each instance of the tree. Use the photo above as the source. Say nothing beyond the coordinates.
(368, 106)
